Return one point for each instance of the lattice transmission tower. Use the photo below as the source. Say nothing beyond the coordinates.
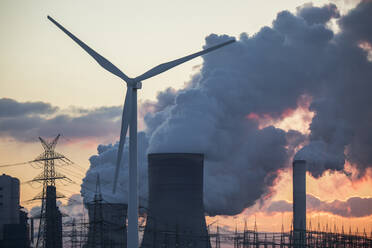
(48, 160)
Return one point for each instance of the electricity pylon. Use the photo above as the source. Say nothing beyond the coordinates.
(48, 178)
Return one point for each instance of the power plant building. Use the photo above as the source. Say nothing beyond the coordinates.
(175, 214)
(107, 225)
(14, 231)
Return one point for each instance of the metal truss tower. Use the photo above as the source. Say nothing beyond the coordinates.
(47, 161)
(96, 225)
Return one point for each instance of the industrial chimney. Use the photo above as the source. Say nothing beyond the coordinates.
(175, 214)
(299, 203)
(53, 235)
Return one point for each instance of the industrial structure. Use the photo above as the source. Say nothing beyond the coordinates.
(107, 222)
(50, 225)
(129, 119)
(14, 229)
(53, 220)
(299, 203)
(175, 214)
(9, 201)
(314, 239)
(319, 237)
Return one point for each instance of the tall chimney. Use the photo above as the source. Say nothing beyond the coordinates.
(175, 214)
(299, 203)
(53, 235)
(32, 230)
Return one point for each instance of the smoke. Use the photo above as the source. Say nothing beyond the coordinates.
(340, 129)
(263, 75)
(318, 15)
(352, 207)
(103, 165)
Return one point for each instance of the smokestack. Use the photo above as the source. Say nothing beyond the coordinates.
(53, 236)
(299, 202)
(32, 230)
(175, 214)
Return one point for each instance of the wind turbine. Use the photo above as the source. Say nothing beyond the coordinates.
(129, 118)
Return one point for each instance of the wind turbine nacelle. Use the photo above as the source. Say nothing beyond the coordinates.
(137, 85)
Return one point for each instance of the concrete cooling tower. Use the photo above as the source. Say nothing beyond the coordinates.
(107, 225)
(175, 214)
(299, 203)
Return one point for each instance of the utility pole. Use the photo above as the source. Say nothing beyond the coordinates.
(48, 160)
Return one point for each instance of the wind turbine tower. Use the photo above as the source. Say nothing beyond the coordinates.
(129, 119)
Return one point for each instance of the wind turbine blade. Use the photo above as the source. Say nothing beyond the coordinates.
(127, 114)
(100, 59)
(169, 65)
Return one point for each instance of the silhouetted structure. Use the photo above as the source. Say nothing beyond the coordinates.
(299, 203)
(130, 119)
(48, 160)
(107, 223)
(175, 215)
(9, 201)
(314, 239)
(53, 227)
(250, 238)
(14, 231)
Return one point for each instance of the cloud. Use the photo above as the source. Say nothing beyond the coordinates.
(318, 15)
(355, 25)
(25, 121)
(353, 207)
(74, 208)
(340, 129)
(12, 108)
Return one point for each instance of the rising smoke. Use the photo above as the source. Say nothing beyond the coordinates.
(263, 75)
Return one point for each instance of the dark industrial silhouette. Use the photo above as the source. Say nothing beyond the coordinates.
(130, 119)
(50, 225)
(299, 203)
(14, 228)
(175, 214)
(107, 222)
(53, 220)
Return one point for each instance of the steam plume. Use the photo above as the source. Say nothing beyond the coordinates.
(265, 74)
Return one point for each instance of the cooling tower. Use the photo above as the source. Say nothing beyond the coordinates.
(175, 214)
(107, 225)
(299, 202)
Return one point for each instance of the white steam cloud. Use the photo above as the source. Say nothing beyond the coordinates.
(264, 74)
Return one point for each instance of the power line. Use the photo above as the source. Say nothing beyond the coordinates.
(47, 178)
(16, 164)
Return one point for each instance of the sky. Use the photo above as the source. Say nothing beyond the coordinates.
(44, 74)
